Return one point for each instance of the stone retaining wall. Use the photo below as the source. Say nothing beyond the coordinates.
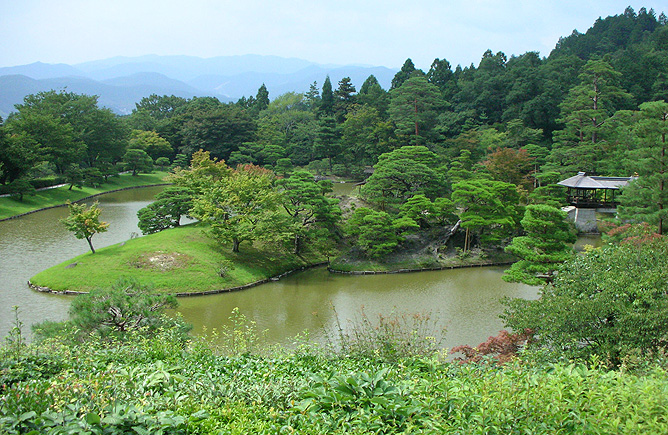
(424, 269)
(278, 277)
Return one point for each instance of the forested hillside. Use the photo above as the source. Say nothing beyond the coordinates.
(511, 125)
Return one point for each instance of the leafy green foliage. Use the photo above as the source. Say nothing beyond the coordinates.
(610, 302)
(414, 108)
(304, 200)
(402, 173)
(376, 232)
(364, 400)
(488, 207)
(242, 207)
(166, 211)
(160, 385)
(646, 198)
(150, 142)
(426, 213)
(125, 306)
(586, 111)
(84, 222)
(21, 187)
(137, 161)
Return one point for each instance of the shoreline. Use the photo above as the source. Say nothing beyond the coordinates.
(188, 294)
(422, 269)
(82, 199)
(290, 272)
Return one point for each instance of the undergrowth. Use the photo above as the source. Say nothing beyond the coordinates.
(164, 385)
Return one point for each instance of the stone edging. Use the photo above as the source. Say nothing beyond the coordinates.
(83, 199)
(208, 292)
(425, 269)
(276, 278)
(253, 284)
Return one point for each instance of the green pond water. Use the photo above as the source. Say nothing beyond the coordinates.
(464, 301)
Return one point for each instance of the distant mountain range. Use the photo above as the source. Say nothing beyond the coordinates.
(120, 82)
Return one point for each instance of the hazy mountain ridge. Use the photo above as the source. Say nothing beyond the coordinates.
(120, 82)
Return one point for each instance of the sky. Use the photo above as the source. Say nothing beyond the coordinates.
(367, 32)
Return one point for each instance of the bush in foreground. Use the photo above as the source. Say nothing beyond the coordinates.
(161, 384)
(610, 303)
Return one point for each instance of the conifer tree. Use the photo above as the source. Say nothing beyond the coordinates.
(647, 197)
(326, 107)
(546, 245)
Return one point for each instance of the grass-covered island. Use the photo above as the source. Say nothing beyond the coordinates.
(178, 260)
(12, 206)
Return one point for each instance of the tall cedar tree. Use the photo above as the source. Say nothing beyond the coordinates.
(647, 197)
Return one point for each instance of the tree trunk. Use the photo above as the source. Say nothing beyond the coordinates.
(90, 243)
(235, 245)
(297, 246)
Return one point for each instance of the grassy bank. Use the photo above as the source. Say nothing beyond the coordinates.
(53, 197)
(175, 261)
(163, 385)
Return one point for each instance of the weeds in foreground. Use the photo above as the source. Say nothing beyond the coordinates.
(15, 341)
(388, 338)
(242, 338)
(159, 384)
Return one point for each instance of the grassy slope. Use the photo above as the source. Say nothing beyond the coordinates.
(191, 261)
(48, 198)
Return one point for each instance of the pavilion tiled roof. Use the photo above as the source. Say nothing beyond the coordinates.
(583, 181)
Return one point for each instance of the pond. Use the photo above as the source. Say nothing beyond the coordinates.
(464, 301)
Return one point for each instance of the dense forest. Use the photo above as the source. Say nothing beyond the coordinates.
(452, 140)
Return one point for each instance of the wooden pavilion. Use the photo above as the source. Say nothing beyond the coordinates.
(593, 191)
(589, 194)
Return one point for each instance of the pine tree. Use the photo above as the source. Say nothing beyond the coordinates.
(647, 197)
(326, 107)
(546, 245)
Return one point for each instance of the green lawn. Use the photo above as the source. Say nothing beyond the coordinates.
(174, 261)
(52, 197)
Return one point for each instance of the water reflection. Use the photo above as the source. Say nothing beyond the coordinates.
(466, 300)
(38, 241)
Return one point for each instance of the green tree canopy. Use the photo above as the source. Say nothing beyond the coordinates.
(151, 142)
(305, 201)
(137, 161)
(488, 207)
(544, 247)
(582, 144)
(647, 197)
(166, 211)
(85, 222)
(610, 302)
(414, 108)
(241, 207)
(402, 173)
(326, 107)
(406, 72)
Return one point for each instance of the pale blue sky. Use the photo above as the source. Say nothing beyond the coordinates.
(370, 32)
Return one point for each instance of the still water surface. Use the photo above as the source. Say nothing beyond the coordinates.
(466, 301)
